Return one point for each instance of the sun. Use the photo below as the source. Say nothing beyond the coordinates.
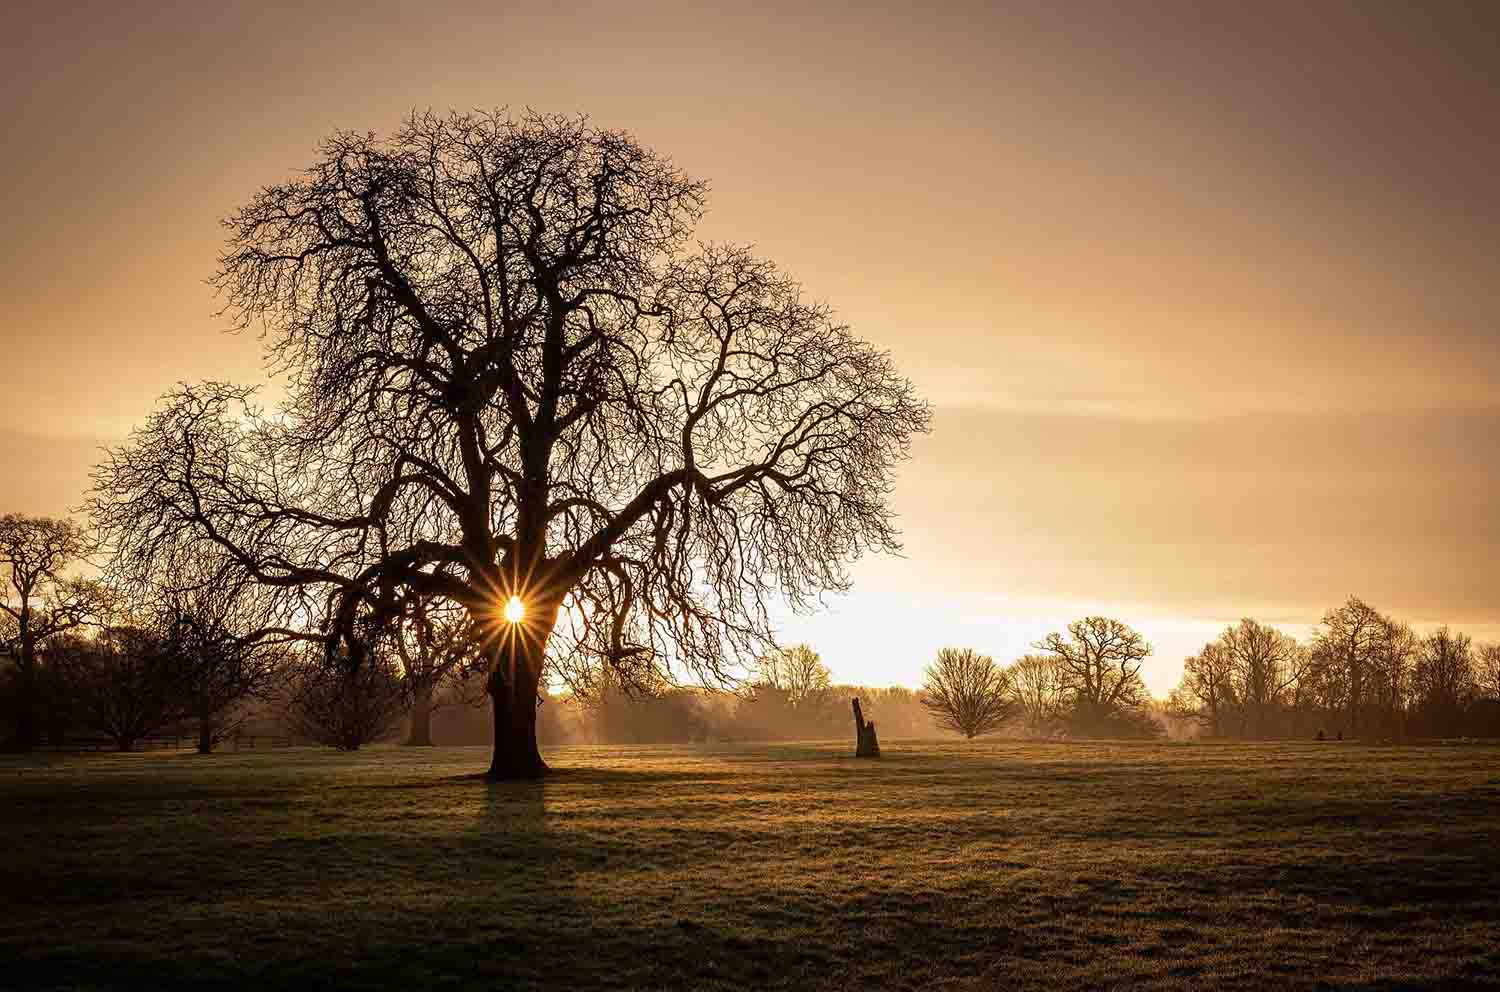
(515, 610)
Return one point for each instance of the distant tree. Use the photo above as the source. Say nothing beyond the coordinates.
(968, 693)
(1208, 687)
(125, 682)
(1349, 644)
(39, 602)
(512, 372)
(790, 695)
(345, 706)
(1182, 706)
(1391, 671)
(799, 672)
(898, 709)
(1263, 664)
(1323, 692)
(1443, 681)
(1486, 709)
(225, 648)
(220, 624)
(1100, 659)
(1487, 671)
(439, 651)
(1040, 690)
(645, 714)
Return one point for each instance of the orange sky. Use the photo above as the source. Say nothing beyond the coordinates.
(1205, 296)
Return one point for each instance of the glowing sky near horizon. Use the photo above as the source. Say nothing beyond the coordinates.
(1204, 295)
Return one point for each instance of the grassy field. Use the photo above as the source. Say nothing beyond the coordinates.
(944, 865)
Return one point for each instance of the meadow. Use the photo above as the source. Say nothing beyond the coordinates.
(943, 865)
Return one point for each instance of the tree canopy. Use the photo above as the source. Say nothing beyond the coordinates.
(510, 371)
(968, 693)
(38, 600)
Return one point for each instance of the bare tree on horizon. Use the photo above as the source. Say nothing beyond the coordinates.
(1263, 664)
(1208, 680)
(1487, 670)
(39, 600)
(1040, 689)
(1348, 645)
(797, 671)
(968, 693)
(1101, 662)
(345, 707)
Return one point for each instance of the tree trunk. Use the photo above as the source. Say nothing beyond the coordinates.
(207, 734)
(26, 701)
(513, 689)
(1356, 692)
(420, 732)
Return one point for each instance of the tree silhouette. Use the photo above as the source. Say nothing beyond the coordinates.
(1264, 663)
(434, 641)
(125, 682)
(1443, 679)
(39, 601)
(345, 706)
(1348, 647)
(1487, 670)
(1208, 680)
(967, 692)
(1392, 670)
(1039, 689)
(798, 672)
(1101, 663)
(509, 374)
(219, 627)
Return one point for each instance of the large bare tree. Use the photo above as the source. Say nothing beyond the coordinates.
(39, 601)
(509, 373)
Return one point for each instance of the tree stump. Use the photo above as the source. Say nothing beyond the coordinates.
(867, 745)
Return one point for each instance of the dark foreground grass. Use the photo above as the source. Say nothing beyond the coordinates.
(941, 866)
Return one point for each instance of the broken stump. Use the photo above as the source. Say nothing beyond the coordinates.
(867, 745)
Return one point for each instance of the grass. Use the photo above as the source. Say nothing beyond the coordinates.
(944, 865)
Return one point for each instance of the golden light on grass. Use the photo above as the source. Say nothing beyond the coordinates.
(515, 610)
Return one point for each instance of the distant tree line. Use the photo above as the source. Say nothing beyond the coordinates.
(1083, 682)
(790, 696)
(204, 652)
(1363, 675)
